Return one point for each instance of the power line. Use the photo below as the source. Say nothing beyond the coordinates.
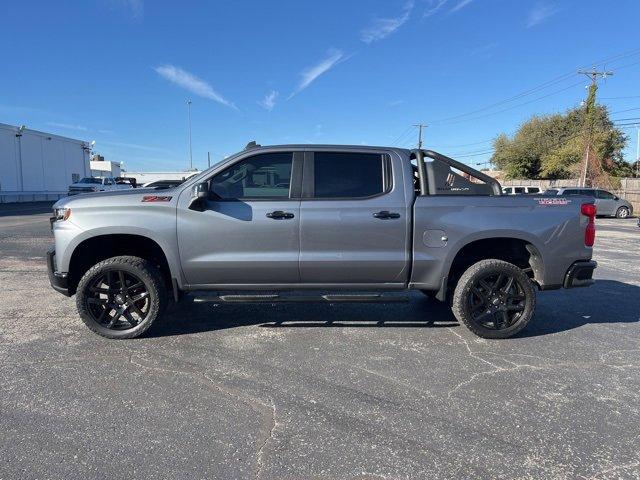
(542, 86)
(619, 98)
(514, 106)
(404, 132)
(510, 99)
(627, 110)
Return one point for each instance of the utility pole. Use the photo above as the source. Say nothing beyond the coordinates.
(420, 127)
(638, 152)
(589, 116)
(190, 149)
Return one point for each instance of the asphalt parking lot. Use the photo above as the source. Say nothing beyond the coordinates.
(319, 391)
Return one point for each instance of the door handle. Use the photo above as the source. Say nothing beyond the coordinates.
(385, 215)
(280, 215)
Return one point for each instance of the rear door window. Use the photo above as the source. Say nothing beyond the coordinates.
(604, 195)
(350, 175)
(534, 190)
(519, 189)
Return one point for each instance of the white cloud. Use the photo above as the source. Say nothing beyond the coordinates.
(68, 126)
(460, 5)
(395, 103)
(190, 82)
(311, 73)
(434, 7)
(269, 100)
(540, 13)
(133, 146)
(383, 27)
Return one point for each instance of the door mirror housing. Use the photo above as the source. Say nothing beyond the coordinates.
(200, 191)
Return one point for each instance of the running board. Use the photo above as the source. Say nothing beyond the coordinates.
(323, 298)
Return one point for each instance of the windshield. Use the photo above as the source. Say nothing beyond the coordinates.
(90, 180)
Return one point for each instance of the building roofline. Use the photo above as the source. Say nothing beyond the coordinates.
(16, 129)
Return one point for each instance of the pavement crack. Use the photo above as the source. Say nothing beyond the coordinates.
(495, 368)
(267, 411)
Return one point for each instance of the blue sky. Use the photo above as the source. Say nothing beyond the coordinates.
(120, 71)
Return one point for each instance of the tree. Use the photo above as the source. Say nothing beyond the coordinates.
(553, 146)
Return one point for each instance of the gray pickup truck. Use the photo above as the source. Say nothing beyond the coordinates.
(321, 223)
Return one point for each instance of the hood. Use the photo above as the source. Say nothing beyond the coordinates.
(129, 195)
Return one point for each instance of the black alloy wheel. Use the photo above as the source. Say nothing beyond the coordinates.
(118, 300)
(496, 301)
(121, 297)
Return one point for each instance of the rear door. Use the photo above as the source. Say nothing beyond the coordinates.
(247, 231)
(354, 219)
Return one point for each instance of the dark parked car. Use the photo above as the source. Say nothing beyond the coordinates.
(607, 203)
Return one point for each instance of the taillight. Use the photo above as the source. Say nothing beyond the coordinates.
(589, 211)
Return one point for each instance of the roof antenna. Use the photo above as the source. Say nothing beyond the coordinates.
(252, 144)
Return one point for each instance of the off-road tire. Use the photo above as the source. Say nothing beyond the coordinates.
(461, 298)
(144, 270)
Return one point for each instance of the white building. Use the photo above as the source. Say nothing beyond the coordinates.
(39, 166)
(104, 168)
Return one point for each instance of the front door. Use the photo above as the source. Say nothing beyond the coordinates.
(247, 231)
(354, 219)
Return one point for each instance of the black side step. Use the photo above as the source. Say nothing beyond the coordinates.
(323, 298)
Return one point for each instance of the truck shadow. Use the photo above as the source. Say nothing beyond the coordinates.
(606, 302)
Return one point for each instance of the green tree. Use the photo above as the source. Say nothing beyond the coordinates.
(552, 146)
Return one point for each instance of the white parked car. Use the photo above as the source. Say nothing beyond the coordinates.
(520, 190)
(97, 184)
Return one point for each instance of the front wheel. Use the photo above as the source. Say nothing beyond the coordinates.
(121, 297)
(622, 212)
(494, 299)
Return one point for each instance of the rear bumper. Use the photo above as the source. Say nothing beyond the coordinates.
(580, 274)
(59, 281)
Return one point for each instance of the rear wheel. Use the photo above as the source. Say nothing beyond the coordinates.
(121, 297)
(494, 299)
(622, 212)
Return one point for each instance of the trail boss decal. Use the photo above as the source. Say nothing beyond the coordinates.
(550, 202)
(155, 198)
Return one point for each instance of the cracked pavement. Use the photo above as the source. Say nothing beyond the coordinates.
(319, 391)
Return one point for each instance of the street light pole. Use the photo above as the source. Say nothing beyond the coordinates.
(190, 148)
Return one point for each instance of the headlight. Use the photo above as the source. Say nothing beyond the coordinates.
(61, 213)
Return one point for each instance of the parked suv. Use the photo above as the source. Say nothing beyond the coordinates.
(339, 223)
(607, 203)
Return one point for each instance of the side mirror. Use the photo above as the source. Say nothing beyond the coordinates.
(616, 198)
(200, 191)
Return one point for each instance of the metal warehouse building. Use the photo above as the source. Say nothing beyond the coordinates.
(39, 166)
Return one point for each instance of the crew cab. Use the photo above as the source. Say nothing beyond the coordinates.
(321, 223)
(98, 184)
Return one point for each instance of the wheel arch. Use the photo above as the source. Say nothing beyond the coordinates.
(519, 249)
(90, 250)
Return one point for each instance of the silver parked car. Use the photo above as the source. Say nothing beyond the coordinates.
(607, 203)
